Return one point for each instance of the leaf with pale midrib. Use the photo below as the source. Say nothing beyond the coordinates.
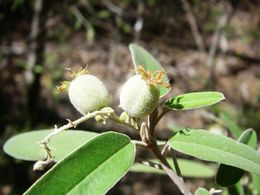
(229, 175)
(194, 100)
(212, 147)
(93, 168)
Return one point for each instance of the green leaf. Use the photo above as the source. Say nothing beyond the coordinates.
(140, 56)
(26, 146)
(217, 148)
(234, 129)
(194, 100)
(188, 168)
(255, 184)
(236, 189)
(93, 168)
(249, 138)
(229, 175)
(202, 191)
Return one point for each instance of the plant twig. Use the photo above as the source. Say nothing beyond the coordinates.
(164, 151)
(175, 162)
(138, 26)
(139, 143)
(167, 168)
(152, 121)
(33, 39)
(105, 112)
(177, 180)
(153, 146)
(211, 62)
(75, 123)
(87, 25)
(164, 111)
(223, 22)
(212, 117)
(113, 8)
(193, 25)
(35, 58)
(76, 12)
(152, 164)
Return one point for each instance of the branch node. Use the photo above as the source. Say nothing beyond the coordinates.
(71, 123)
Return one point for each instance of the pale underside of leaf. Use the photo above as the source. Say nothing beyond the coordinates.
(26, 146)
(140, 56)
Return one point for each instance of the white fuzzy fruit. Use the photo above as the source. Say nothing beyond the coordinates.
(87, 94)
(137, 98)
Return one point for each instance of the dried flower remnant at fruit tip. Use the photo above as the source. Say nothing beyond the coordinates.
(154, 78)
(64, 85)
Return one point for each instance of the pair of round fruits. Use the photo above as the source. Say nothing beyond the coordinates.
(138, 98)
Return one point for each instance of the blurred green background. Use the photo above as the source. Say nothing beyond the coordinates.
(203, 45)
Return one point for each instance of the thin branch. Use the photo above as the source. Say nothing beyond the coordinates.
(177, 180)
(167, 168)
(76, 12)
(113, 8)
(152, 121)
(222, 23)
(164, 111)
(76, 123)
(212, 117)
(153, 146)
(193, 25)
(107, 113)
(139, 143)
(33, 41)
(152, 164)
(175, 162)
(164, 151)
(211, 62)
(138, 26)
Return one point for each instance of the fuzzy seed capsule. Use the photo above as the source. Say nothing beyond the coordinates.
(87, 94)
(137, 98)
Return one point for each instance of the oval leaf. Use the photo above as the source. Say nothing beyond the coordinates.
(229, 175)
(194, 100)
(212, 147)
(93, 168)
(26, 146)
(140, 56)
(188, 168)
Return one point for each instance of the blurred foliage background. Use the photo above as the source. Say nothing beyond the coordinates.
(203, 45)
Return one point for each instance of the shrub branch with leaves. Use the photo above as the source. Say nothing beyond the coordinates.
(91, 163)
